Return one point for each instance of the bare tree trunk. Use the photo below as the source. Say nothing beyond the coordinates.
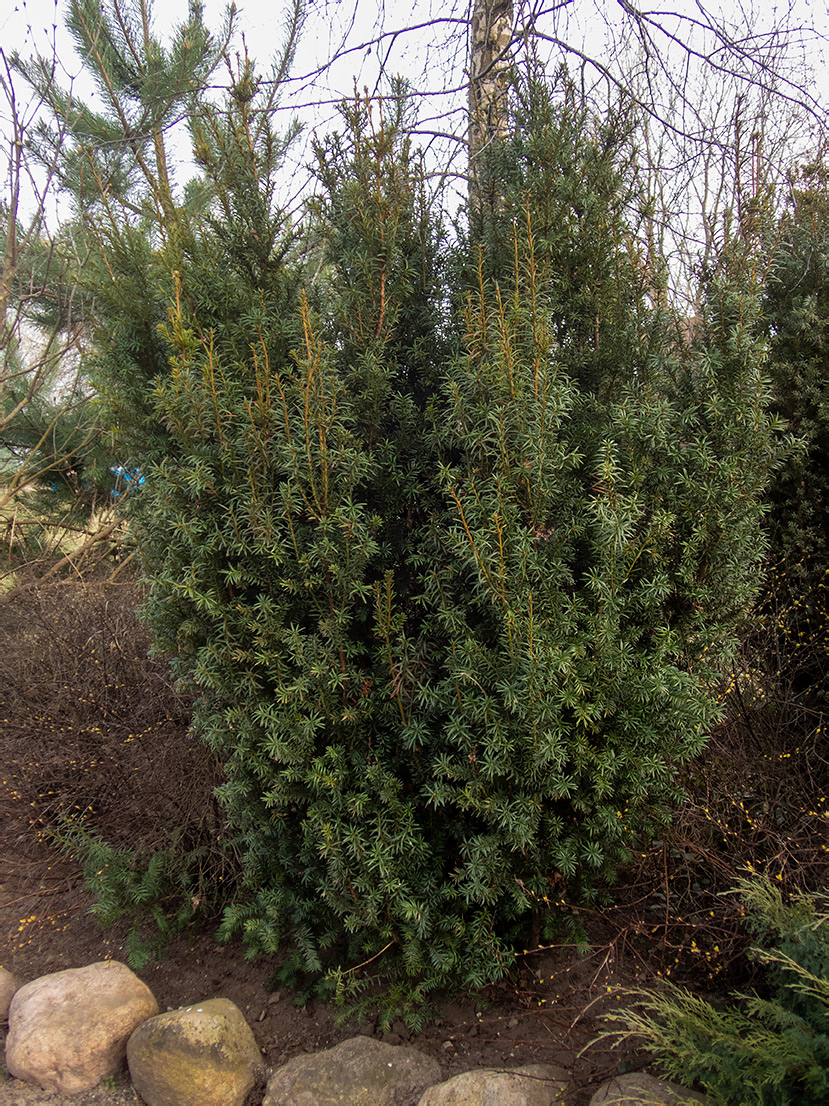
(489, 60)
(10, 252)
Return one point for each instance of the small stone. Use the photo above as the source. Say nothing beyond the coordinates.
(263, 1015)
(358, 1072)
(530, 1085)
(275, 997)
(638, 1088)
(448, 1045)
(392, 1039)
(512, 1023)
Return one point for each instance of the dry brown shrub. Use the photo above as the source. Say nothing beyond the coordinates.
(93, 729)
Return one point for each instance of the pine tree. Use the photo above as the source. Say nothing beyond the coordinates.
(112, 162)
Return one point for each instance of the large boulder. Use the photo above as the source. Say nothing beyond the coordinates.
(69, 1030)
(358, 1072)
(204, 1053)
(8, 985)
(529, 1085)
(641, 1089)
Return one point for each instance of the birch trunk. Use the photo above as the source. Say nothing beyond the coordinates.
(489, 61)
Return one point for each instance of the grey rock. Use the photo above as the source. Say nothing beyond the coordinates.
(204, 1053)
(641, 1089)
(529, 1085)
(361, 1071)
(69, 1030)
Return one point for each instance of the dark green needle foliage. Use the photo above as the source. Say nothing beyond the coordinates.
(578, 173)
(796, 310)
(447, 537)
(462, 608)
(795, 321)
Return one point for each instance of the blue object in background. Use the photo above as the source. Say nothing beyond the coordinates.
(125, 479)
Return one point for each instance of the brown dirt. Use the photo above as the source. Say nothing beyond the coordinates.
(45, 926)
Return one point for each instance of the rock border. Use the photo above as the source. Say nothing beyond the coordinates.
(208, 1049)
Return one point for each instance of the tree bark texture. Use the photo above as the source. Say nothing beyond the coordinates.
(489, 60)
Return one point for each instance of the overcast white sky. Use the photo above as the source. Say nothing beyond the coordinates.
(331, 25)
(30, 25)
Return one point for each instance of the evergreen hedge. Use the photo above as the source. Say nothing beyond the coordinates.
(449, 534)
